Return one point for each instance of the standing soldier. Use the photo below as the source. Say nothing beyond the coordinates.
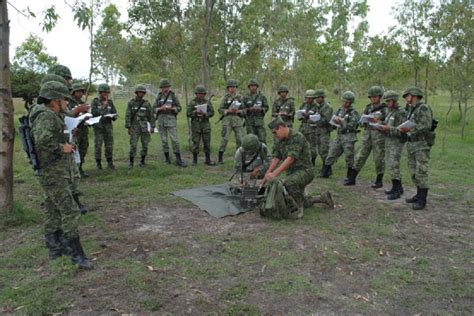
(200, 110)
(167, 108)
(103, 131)
(231, 111)
(284, 106)
(394, 142)
(256, 105)
(322, 127)
(420, 140)
(82, 133)
(347, 120)
(373, 138)
(308, 125)
(140, 123)
(47, 129)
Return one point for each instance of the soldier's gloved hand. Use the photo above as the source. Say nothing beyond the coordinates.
(130, 131)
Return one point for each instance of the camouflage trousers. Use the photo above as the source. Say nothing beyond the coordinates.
(418, 163)
(172, 131)
(144, 137)
(343, 144)
(259, 131)
(201, 131)
(103, 136)
(369, 144)
(225, 134)
(393, 155)
(319, 144)
(73, 175)
(60, 211)
(82, 141)
(296, 182)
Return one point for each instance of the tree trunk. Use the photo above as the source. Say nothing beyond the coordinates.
(205, 46)
(6, 115)
(91, 47)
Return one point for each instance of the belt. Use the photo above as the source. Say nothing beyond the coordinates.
(347, 131)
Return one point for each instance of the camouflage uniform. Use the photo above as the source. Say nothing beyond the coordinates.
(286, 106)
(256, 105)
(137, 117)
(82, 135)
(252, 160)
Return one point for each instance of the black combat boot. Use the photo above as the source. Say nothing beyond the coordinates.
(415, 197)
(351, 177)
(167, 158)
(142, 161)
(65, 249)
(208, 160)
(110, 164)
(313, 160)
(78, 256)
(221, 157)
(98, 164)
(130, 162)
(421, 201)
(396, 190)
(179, 161)
(195, 159)
(81, 171)
(378, 182)
(81, 206)
(54, 245)
(325, 171)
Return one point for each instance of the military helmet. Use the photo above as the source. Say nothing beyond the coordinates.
(232, 83)
(140, 88)
(103, 87)
(200, 89)
(165, 83)
(309, 93)
(252, 82)
(390, 95)
(375, 91)
(53, 77)
(319, 93)
(54, 90)
(250, 143)
(348, 96)
(283, 88)
(413, 91)
(61, 70)
(78, 86)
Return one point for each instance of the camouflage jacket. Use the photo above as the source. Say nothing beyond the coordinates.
(138, 114)
(306, 125)
(395, 117)
(351, 120)
(255, 108)
(380, 112)
(167, 117)
(325, 110)
(262, 160)
(98, 108)
(232, 119)
(192, 113)
(295, 146)
(420, 114)
(286, 106)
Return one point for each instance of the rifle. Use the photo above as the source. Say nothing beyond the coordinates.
(164, 102)
(28, 142)
(224, 115)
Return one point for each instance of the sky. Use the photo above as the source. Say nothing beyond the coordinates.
(71, 44)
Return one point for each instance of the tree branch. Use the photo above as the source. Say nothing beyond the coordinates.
(17, 10)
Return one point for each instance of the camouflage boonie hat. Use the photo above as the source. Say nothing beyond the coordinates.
(53, 77)
(250, 143)
(232, 83)
(309, 93)
(348, 96)
(61, 70)
(277, 121)
(200, 89)
(103, 87)
(319, 93)
(78, 86)
(252, 82)
(54, 90)
(140, 88)
(413, 91)
(283, 88)
(165, 83)
(391, 95)
(375, 91)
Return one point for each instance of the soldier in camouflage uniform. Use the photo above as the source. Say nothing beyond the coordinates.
(200, 125)
(308, 127)
(372, 138)
(420, 140)
(252, 158)
(284, 106)
(348, 120)
(62, 71)
(232, 113)
(61, 218)
(255, 105)
(139, 123)
(82, 134)
(322, 127)
(103, 131)
(167, 107)
(394, 142)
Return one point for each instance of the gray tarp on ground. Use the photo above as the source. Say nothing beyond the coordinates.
(217, 200)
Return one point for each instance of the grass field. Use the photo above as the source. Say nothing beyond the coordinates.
(156, 253)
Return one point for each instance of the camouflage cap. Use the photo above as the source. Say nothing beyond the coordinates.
(53, 77)
(103, 87)
(54, 90)
(78, 86)
(140, 88)
(200, 89)
(283, 88)
(250, 143)
(165, 83)
(391, 95)
(252, 82)
(61, 70)
(375, 91)
(309, 93)
(319, 93)
(232, 83)
(348, 96)
(413, 91)
(277, 121)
